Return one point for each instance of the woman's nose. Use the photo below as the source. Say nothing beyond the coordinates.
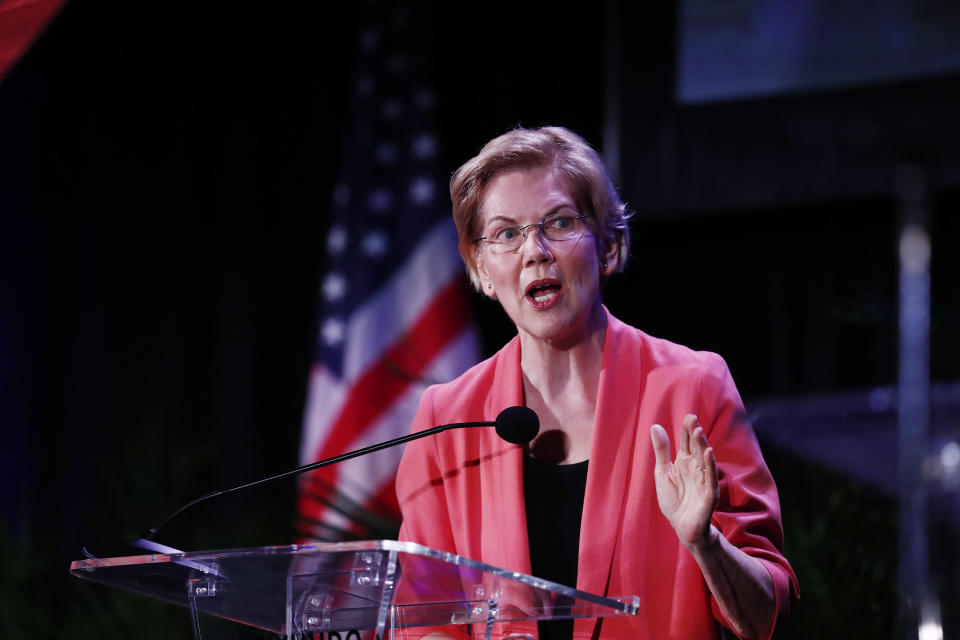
(535, 247)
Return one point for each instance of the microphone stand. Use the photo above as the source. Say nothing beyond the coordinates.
(149, 534)
(516, 425)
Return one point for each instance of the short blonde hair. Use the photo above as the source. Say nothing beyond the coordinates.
(558, 149)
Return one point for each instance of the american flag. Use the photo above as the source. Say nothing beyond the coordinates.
(395, 308)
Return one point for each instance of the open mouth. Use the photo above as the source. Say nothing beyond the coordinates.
(543, 292)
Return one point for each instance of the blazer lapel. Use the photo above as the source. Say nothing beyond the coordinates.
(505, 534)
(608, 474)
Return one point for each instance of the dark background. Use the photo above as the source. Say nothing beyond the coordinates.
(165, 173)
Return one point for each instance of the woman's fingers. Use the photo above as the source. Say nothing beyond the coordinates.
(697, 438)
(687, 486)
(695, 457)
(684, 447)
(701, 451)
(712, 476)
(661, 446)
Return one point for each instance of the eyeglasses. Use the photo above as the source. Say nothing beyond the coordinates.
(557, 228)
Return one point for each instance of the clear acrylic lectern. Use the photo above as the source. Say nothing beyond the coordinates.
(363, 590)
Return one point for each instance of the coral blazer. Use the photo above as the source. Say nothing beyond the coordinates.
(462, 490)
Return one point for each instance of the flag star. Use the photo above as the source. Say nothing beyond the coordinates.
(386, 153)
(391, 109)
(380, 200)
(334, 287)
(365, 86)
(375, 244)
(337, 240)
(424, 146)
(422, 191)
(333, 332)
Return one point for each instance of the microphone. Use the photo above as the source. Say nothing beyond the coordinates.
(516, 425)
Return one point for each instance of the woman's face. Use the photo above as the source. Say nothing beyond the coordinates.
(550, 289)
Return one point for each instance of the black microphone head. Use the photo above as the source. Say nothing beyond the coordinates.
(518, 425)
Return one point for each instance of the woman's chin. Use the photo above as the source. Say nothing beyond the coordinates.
(557, 320)
(558, 331)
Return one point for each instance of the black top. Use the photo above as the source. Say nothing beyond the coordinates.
(554, 499)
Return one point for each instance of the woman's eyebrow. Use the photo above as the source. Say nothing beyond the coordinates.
(503, 218)
(549, 213)
(558, 208)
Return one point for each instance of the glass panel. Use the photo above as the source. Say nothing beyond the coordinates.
(341, 586)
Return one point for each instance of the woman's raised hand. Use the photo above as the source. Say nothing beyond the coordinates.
(686, 487)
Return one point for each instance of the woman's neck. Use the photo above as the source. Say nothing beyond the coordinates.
(562, 385)
(556, 369)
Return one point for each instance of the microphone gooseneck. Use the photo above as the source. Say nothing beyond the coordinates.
(517, 425)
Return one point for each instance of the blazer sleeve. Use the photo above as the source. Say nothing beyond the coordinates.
(748, 511)
(420, 490)
(423, 505)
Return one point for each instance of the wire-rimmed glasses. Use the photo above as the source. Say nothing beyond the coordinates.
(556, 228)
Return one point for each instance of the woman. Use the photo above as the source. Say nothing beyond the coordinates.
(698, 536)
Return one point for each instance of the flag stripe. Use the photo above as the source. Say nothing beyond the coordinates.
(379, 388)
(402, 364)
(402, 299)
(325, 397)
(394, 298)
(353, 480)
